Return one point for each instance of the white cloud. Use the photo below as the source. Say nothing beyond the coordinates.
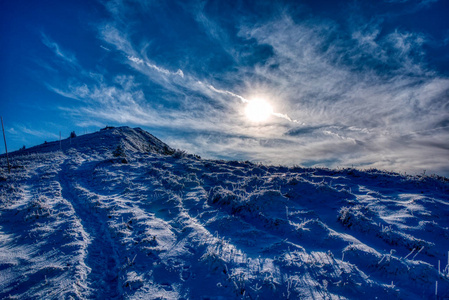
(105, 48)
(421, 3)
(212, 88)
(155, 67)
(32, 131)
(323, 89)
(351, 111)
(65, 55)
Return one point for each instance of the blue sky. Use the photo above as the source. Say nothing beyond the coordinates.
(350, 83)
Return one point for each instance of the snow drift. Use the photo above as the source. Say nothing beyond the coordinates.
(119, 214)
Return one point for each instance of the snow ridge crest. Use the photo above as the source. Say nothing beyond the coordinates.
(132, 140)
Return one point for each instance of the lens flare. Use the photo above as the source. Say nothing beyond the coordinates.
(258, 110)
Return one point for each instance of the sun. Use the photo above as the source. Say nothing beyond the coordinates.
(258, 110)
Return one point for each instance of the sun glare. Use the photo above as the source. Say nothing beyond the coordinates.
(258, 110)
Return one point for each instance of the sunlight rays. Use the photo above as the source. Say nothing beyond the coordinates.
(258, 110)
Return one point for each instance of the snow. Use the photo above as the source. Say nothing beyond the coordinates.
(79, 220)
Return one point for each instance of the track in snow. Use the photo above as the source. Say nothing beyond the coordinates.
(101, 257)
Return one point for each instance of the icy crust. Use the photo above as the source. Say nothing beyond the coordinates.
(155, 223)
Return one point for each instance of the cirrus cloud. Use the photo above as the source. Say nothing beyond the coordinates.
(344, 94)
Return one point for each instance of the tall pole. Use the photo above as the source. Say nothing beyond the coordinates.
(6, 148)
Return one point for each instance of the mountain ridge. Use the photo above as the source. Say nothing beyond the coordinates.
(133, 139)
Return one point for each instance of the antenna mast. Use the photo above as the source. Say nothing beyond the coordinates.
(6, 147)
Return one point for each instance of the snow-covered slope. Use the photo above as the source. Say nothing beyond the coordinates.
(119, 214)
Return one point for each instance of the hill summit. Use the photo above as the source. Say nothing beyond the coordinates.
(119, 214)
(132, 140)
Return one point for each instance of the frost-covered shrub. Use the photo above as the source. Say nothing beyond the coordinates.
(167, 150)
(179, 153)
(417, 272)
(38, 208)
(219, 195)
(362, 218)
(212, 258)
(355, 217)
(173, 182)
(397, 238)
(133, 281)
(120, 152)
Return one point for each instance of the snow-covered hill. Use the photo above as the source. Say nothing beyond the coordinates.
(119, 214)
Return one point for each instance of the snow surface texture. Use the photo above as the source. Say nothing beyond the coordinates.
(118, 214)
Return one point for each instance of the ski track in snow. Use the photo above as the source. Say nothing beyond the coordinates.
(101, 258)
(155, 223)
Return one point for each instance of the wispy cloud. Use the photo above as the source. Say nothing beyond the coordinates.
(323, 87)
(105, 48)
(57, 50)
(155, 67)
(362, 96)
(212, 88)
(420, 2)
(165, 77)
(21, 130)
(334, 87)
